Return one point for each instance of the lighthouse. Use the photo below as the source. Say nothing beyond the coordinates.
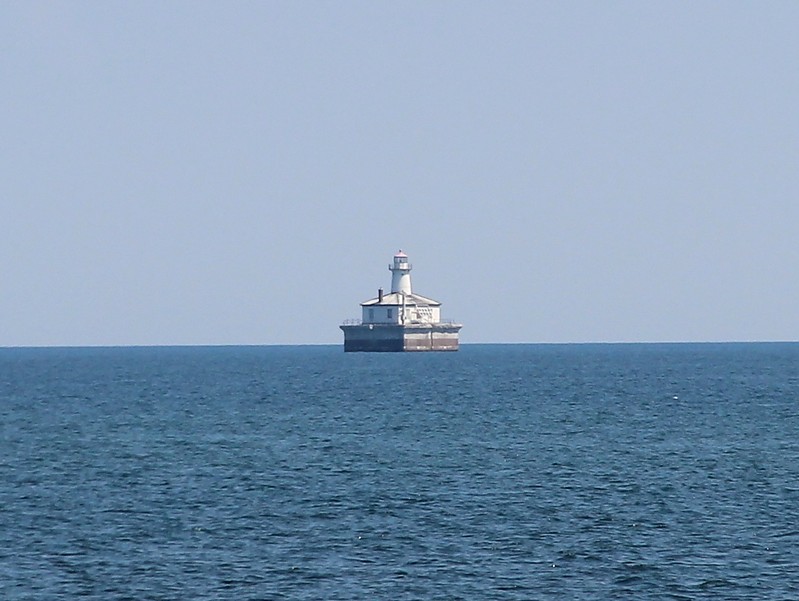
(401, 320)
(400, 273)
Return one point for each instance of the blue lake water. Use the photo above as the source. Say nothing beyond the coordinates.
(576, 472)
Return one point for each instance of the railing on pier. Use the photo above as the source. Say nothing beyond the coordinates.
(443, 322)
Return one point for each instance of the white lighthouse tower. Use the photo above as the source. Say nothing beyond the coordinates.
(400, 274)
(401, 320)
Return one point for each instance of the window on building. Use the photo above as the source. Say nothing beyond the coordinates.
(388, 313)
(371, 314)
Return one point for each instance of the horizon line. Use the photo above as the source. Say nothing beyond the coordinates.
(462, 344)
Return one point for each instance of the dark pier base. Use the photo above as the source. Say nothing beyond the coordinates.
(379, 338)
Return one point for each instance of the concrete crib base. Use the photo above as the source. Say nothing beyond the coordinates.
(380, 338)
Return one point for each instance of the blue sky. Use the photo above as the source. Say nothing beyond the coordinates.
(242, 172)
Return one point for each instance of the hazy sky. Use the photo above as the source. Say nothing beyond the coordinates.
(242, 172)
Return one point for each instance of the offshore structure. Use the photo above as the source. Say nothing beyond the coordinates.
(401, 320)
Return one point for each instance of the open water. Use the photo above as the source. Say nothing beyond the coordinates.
(576, 472)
